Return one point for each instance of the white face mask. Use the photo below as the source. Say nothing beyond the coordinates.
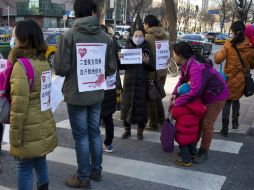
(12, 42)
(138, 40)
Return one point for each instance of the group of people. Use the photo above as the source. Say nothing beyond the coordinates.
(198, 98)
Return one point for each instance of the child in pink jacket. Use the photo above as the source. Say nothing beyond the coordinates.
(188, 117)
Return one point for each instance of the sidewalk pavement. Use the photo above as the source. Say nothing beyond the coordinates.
(246, 118)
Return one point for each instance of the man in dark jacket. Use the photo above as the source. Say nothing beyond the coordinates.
(84, 106)
(155, 33)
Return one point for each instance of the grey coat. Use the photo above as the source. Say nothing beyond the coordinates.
(84, 30)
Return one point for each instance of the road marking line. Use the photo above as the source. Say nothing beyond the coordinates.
(217, 144)
(177, 177)
(4, 188)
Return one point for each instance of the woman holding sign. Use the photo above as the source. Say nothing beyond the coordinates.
(32, 126)
(134, 98)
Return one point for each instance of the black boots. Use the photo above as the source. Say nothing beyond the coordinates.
(43, 187)
(127, 131)
(235, 123)
(126, 134)
(224, 130)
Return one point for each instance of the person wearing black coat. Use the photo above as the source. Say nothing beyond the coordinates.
(134, 97)
(108, 106)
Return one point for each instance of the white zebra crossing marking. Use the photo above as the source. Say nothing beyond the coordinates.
(217, 144)
(171, 176)
(4, 188)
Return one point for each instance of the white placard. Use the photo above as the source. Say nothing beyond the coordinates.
(6, 133)
(111, 82)
(56, 93)
(162, 54)
(3, 64)
(131, 56)
(45, 90)
(91, 66)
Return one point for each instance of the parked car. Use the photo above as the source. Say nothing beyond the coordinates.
(180, 34)
(222, 38)
(5, 37)
(211, 36)
(199, 44)
(52, 40)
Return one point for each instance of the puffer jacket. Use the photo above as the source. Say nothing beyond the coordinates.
(188, 119)
(205, 83)
(32, 132)
(84, 30)
(152, 35)
(233, 67)
(134, 97)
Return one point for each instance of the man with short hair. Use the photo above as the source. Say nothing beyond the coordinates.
(84, 106)
(154, 32)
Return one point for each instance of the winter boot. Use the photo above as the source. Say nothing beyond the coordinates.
(43, 187)
(140, 131)
(224, 130)
(235, 124)
(140, 134)
(127, 131)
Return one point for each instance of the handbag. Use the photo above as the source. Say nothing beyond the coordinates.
(168, 132)
(249, 83)
(159, 87)
(152, 92)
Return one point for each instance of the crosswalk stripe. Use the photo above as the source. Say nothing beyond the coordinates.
(4, 188)
(146, 171)
(217, 144)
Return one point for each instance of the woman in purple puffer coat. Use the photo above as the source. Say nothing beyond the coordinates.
(206, 84)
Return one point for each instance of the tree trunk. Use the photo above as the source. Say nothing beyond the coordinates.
(101, 11)
(172, 20)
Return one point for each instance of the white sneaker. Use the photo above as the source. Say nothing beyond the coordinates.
(108, 149)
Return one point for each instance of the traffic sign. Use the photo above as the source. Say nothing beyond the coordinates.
(65, 17)
(213, 12)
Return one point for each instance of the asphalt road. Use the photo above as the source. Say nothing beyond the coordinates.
(138, 165)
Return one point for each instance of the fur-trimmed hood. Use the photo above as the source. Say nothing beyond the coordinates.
(17, 53)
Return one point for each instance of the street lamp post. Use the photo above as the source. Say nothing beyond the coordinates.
(8, 15)
(125, 12)
(115, 6)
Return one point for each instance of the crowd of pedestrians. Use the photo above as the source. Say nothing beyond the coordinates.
(198, 98)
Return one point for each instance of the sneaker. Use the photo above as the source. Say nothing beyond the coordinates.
(181, 162)
(108, 149)
(201, 158)
(74, 182)
(95, 176)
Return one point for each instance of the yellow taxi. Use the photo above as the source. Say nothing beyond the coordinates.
(222, 38)
(52, 40)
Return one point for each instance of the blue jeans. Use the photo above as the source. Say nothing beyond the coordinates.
(24, 169)
(84, 122)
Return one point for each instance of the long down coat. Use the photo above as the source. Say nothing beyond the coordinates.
(134, 98)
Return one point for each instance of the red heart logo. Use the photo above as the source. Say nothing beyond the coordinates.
(159, 46)
(43, 78)
(82, 52)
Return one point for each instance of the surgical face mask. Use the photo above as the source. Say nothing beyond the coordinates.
(12, 42)
(138, 40)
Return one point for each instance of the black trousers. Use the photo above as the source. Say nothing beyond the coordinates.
(109, 128)
(186, 152)
(235, 109)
